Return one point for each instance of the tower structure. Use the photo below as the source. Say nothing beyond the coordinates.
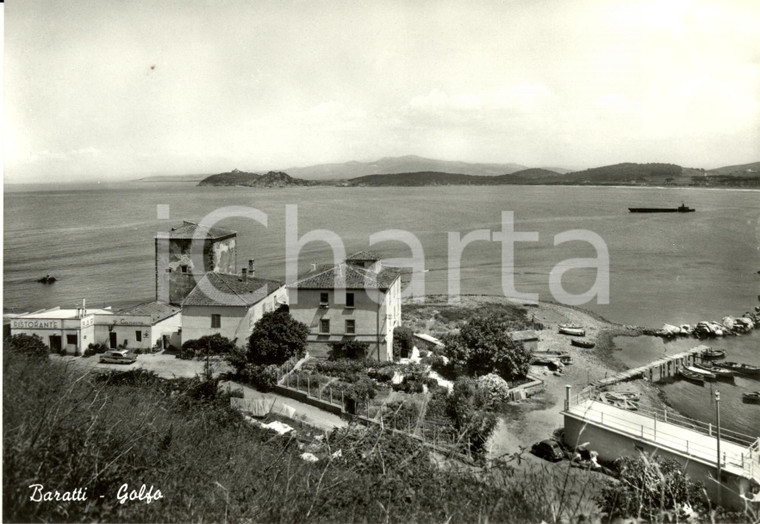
(181, 263)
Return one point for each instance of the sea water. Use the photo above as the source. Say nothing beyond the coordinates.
(98, 241)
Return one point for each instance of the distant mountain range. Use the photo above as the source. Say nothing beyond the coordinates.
(629, 173)
(401, 164)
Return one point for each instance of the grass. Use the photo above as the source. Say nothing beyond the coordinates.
(68, 429)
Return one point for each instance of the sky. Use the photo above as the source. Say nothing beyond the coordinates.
(107, 90)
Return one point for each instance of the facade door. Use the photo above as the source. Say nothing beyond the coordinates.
(165, 341)
(55, 343)
(112, 340)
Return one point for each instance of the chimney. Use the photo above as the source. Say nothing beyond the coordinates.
(84, 308)
(244, 272)
(251, 268)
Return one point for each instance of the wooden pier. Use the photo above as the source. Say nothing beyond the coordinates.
(665, 367)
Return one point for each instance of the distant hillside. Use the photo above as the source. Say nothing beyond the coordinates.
(625, 174)
(751, 170)
(242, 178)
(172, 178)
(434, 178)
(401, 164)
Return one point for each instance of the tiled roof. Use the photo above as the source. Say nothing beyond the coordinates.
(361, 256)
(348, 277)
(219, 289)
(158, 311)
(188, 229)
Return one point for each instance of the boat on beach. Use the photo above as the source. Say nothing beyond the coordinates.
(720, 373)
(582, 343)
(572, 331)
(709, 377)
(751, 398)
(696, 378)
(742, 369)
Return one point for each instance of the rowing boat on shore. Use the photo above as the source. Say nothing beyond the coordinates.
(696, 378)
(744, 369)
(720, 373)
(710, 377)
(572, 331)
(582, 343)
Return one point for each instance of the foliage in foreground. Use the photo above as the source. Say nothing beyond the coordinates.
(650, 488)
(66, 428)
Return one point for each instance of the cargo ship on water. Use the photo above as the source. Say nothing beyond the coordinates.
(680, 209)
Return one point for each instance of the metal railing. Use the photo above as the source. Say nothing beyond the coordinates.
(663, 436)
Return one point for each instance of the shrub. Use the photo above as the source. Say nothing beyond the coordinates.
(352, 349)
(262, 377)
(31, 346)
(468, 407)
(497, 387)
(206, 346)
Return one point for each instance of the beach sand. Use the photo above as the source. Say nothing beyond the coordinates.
(524, 423)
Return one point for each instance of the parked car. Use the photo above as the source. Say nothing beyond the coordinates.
(117, 357)
(549, 450)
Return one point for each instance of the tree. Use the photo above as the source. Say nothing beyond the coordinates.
(649, 487)
(276, 338)
(28, 345)
(483, 346)
(403, 341)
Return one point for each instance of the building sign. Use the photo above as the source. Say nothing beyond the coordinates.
(36, 323)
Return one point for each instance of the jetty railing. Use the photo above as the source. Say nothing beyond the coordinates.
(666, 434)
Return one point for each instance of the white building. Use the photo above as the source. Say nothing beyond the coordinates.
(145, 326)
(370, 312)
(62, 330)
(229, 305)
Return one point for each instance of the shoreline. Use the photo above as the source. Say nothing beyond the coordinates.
(539, 417)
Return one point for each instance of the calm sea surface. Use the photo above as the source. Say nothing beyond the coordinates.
(674, 268)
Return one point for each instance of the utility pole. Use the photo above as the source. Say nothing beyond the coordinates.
(717, 416)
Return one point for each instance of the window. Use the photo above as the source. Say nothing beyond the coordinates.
(324, 299)
(216, 321)
(183, 268)
(138, 336)
(324, 326)
(350, 326)
(71, 340)
(349, 300)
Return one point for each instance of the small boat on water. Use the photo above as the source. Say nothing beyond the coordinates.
(47, 279)
(572, 331)
(711, 354)
(582, 343)
(710, 377)
(743, 369)
(696, 378)
(720, 373)
(751, 398)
